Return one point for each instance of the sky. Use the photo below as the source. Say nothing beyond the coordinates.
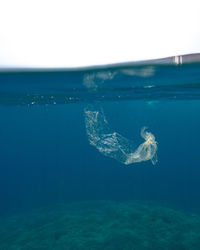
(76, 33)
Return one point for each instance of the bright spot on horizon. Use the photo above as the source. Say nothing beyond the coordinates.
(83, 33)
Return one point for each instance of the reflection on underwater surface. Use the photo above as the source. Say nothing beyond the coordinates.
(137, 82)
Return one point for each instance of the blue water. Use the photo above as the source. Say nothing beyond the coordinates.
(45, 156)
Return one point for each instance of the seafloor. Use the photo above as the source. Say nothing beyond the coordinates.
(101, 225)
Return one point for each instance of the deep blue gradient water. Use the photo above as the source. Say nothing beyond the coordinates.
(45, 156)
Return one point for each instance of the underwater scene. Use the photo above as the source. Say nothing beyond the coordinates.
(100, 158)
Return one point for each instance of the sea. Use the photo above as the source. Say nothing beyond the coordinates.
(100, 158)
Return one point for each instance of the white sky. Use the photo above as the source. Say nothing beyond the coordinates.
(70, 33)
